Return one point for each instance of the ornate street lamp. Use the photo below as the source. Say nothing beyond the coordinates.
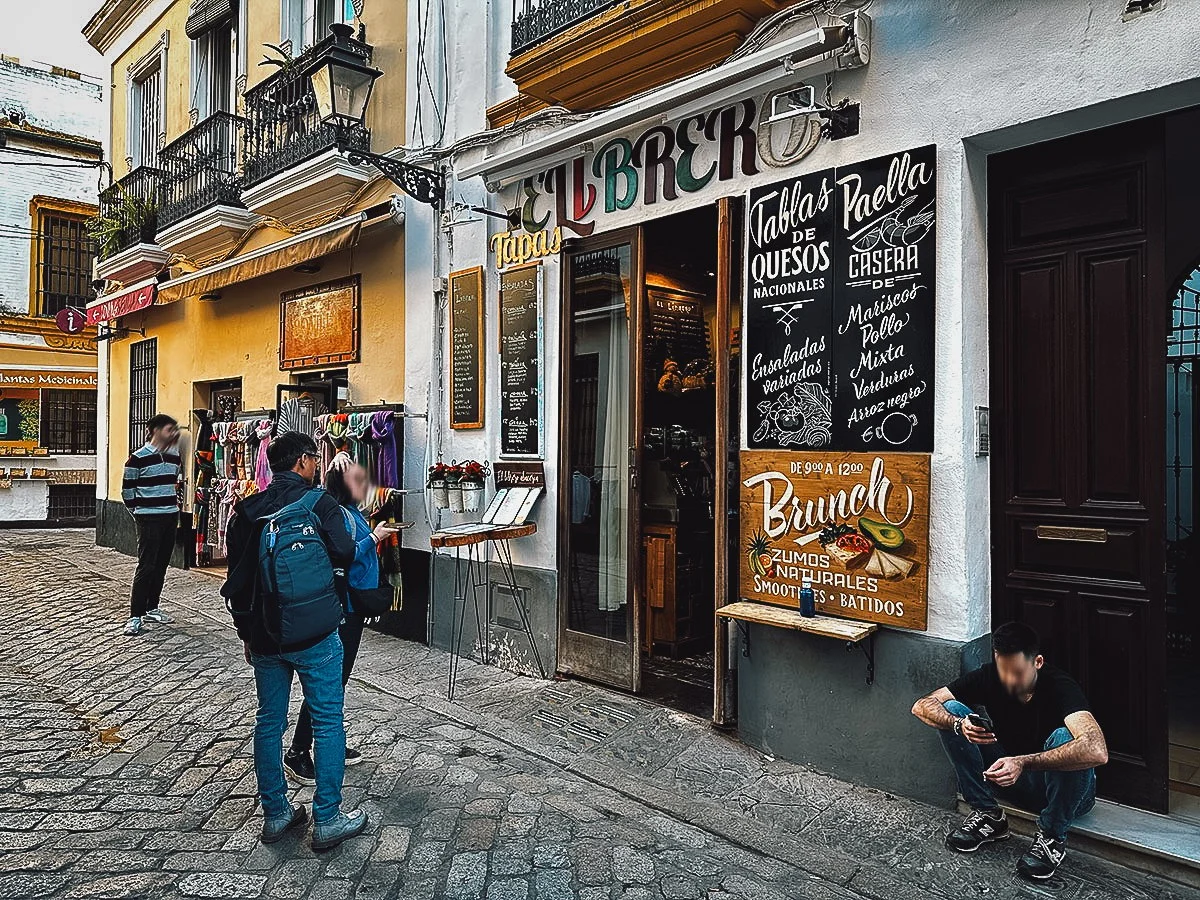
(342, 84)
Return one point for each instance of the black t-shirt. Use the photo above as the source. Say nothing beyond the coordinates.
(1021, 727)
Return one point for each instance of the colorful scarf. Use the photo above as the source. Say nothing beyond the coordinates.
(383, 430)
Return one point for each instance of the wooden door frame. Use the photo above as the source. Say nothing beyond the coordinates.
(632, 236)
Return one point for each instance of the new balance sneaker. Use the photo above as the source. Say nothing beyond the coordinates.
(157, 615)
(353, 757)
(1043, 857)
(341, 827)
(983, 826)
(133, 626)
(299, 766)
(274, 829)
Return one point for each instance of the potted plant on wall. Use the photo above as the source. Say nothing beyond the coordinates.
(474, 476)
(437, 484)
(454, 473)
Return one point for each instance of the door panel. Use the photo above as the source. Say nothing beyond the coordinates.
(599, 591)
(1078, 322)
(1035, 442)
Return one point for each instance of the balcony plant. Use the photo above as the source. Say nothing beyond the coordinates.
(121, 224)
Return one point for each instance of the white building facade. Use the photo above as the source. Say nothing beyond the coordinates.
(50, 127)
(1035, 157)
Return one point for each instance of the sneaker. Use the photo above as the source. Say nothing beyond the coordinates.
(341, 827)
(274, 829)
(983, 826)
(133, 626)
(1043, 857)
(353, 757)
(157, 615)
(299, 766)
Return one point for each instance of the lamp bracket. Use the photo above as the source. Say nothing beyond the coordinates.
(424, 185)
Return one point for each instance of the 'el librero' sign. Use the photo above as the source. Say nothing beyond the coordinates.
(857, 524)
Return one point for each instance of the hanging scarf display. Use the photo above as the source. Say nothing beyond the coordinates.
(383, 430)
(262, 467)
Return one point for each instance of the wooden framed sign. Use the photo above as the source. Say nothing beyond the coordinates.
(521, 354)
(466, 348)
(319, 325)
(856, 523)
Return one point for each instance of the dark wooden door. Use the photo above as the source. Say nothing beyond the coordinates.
(1078, 325)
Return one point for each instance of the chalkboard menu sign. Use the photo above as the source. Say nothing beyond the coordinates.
(839, 318)
(466, 348)
(521, 361)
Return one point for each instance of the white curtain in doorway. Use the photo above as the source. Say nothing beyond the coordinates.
(613, 467)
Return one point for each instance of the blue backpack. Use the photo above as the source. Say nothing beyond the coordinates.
(296, 575)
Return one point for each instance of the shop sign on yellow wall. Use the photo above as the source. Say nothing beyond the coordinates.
(319, 325)
(857, 524)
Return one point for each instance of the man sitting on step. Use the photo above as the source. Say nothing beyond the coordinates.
(1020, 731)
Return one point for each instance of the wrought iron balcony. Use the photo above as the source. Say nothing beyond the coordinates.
(283, 126)
(536, 20)
(200, 169)
(128, 212)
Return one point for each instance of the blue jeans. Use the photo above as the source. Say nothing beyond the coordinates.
(1059, 797)
(320, 671)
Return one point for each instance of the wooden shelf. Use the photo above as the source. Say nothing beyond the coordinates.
(782, 617)
(853, 633)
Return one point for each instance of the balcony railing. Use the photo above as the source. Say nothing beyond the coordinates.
(128, 212)
(283, 126)
(200, 169)
(536, 20)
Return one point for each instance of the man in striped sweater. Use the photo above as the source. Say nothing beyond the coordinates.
(149, 492)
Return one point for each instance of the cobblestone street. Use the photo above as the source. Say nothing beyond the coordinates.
(125, 771)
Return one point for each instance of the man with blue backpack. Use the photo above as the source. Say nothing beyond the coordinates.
(283, 546)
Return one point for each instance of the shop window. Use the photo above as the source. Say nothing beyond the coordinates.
(69, 421)
(62, 261)
(143, 389)
(72, 501)
(19, 417)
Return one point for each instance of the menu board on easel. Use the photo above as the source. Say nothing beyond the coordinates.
(466, 348)
(521, 412)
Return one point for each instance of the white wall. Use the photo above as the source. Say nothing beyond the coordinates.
(972, 76)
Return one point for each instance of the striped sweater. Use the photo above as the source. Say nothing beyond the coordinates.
(150, 479)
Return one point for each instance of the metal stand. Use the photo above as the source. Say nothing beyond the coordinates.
(472, 572)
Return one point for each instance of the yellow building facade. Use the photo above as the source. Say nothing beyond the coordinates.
(246, 262)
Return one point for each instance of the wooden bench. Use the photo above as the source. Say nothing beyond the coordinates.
(854, 634)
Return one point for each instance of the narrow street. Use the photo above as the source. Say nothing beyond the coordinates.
(125, 771)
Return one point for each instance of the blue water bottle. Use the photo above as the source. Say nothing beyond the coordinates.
(808, 600)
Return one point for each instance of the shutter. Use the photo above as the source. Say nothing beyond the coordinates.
(205, 15)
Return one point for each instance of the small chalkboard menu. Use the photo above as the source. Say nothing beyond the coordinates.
(466, 348)
(521, 362)
(839, 315)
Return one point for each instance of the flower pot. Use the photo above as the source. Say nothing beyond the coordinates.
(472, 495)
(440, 498)
(454, 490)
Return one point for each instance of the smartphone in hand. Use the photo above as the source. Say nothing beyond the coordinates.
(980, 721)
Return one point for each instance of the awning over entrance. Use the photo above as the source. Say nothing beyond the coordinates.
(135, 298)
(329, 238)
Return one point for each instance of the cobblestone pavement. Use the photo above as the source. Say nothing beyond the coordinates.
(125, 771)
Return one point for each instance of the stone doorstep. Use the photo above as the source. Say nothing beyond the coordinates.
(1165, 846)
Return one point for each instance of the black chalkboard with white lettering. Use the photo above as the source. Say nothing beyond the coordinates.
(883, 335)
(789, 308)
(520, 362)
(466, 348)
(838, 326)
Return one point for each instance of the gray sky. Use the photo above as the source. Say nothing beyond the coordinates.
(49, 31)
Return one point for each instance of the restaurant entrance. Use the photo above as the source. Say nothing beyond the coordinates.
(1091, 292)
(646, 375)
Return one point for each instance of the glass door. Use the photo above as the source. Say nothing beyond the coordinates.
(598, 547)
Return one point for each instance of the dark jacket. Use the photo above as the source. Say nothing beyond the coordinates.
(241, 543)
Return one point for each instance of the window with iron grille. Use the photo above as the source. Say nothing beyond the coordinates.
(72, 501)
(64, 262)
(69, 421)
(143, 389)
(147, 128)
